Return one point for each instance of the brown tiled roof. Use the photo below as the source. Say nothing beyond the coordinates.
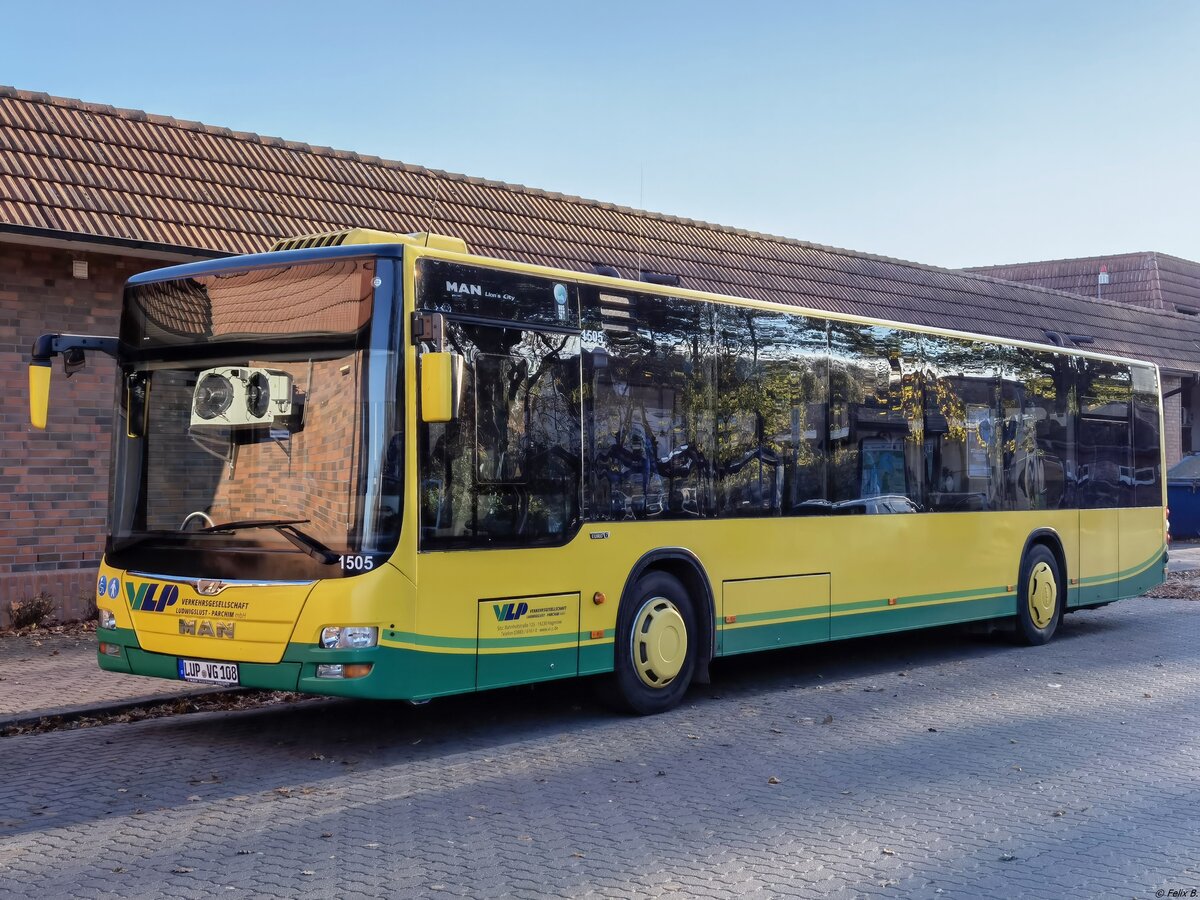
(68, 166)
(1155, 280)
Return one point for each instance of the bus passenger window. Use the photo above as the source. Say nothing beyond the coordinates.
(875, 421)
(771, 400)
(963, 461)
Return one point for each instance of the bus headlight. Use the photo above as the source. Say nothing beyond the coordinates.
(107, 619)
(349, 637)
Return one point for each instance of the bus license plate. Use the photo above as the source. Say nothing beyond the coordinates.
(208, 672)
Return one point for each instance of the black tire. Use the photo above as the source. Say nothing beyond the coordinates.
(653, 603)
(1040, 596)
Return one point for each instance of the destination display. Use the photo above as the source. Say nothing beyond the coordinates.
(456, 289)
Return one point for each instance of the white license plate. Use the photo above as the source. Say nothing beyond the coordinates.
(208, 672)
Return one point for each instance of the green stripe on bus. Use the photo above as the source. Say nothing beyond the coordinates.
(459, 643)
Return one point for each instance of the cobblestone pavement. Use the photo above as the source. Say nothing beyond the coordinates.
(57, 673)
(1184, 558)
(930, 766)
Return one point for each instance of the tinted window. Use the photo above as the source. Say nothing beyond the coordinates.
(650, 367)
(507, 470)
(875, 416)
(964, 466)
(1105, 471)
(1147, 454)
(1037, 392)
(772, 392)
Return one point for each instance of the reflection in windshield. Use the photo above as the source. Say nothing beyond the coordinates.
(259, 435)
(298, 467)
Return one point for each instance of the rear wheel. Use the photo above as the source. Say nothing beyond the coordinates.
(1040, 597)
(656, 645)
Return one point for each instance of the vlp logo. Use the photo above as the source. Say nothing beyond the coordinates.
(509, 612)
(456, 287)
(149, 596)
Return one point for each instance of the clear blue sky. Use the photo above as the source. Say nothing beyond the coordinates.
(954, 133)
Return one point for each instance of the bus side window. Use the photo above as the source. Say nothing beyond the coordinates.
(1105, 406)
(1037, 391)
(963, 431)
(771, 397)
(651, 382)
(1147, 459)
(875, 422)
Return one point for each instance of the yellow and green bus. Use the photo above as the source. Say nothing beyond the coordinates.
(376, 465)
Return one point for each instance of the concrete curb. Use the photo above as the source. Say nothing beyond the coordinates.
(72, 713)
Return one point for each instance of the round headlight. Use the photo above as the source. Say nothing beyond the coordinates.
(258, 395)
(214, 394)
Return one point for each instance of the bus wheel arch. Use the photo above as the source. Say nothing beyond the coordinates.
(666, 596)
(685, 566)
(1041, 580)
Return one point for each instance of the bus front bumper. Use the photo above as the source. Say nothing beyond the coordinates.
(395, 674)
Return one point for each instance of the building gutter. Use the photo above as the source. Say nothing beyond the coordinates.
(91, 243)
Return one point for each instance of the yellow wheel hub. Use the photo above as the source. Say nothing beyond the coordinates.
(1043, 595)
(660, 642)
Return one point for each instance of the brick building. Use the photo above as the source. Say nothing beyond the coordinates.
(90, 195)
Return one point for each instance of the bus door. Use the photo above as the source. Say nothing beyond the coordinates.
(506, 473)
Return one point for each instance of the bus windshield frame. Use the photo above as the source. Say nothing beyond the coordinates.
(308, 483)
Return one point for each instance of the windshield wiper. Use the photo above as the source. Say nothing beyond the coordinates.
(308, 544)
(286, 527)
(252, 523)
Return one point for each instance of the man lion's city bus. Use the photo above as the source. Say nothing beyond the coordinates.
(375, 465)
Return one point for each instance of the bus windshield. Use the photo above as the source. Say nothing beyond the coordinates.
(257, 432)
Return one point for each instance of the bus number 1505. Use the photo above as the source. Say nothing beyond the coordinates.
(357, 563)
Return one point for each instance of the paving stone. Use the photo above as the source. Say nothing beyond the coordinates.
(49, 673)
(540, 793)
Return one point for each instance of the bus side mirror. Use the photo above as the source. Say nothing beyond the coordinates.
(441, 386)
(45, 348)
(39, 393)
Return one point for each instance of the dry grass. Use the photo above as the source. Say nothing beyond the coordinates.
(1178, 586)
(216, 702)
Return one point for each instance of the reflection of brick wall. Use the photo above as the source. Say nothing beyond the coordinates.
(312, 476)
(54, 483)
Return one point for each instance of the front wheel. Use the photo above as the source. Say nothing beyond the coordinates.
(1040, 596)
(656, 645)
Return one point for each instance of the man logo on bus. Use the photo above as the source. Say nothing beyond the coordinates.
(149, 598)
(473, 290)
(509, 612)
